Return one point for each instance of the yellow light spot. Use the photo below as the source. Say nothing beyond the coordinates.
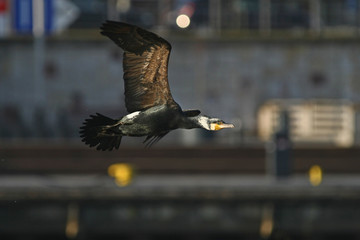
(72, 223)
(267, 221)
(183, 21)
(122, 173)
(315, 175)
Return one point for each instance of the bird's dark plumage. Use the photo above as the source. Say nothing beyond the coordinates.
(153, 111)
(145, 65)
(94, 133)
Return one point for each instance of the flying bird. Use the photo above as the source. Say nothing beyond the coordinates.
(152, 110)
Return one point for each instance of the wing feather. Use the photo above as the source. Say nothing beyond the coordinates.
(145, 65)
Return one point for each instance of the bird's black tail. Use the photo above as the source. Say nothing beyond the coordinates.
(100, 131)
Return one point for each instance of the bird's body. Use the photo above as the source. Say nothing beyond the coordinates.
(153, 111)
(150, 122)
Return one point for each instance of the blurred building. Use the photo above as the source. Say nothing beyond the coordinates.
(285, 72)
(228, 59)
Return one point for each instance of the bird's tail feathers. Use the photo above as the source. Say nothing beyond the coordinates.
(101, 131)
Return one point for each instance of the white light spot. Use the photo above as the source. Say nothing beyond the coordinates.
(183, 21)
(132, 115)
(123, 6)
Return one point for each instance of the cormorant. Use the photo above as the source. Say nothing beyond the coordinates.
(153, 111)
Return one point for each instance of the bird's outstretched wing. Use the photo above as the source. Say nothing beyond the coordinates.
(145, 65)
(191, 113)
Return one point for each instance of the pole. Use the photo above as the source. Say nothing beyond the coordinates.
(39, 52)
(112, 12)
(315, 17)
(215, 15)
(265, 17)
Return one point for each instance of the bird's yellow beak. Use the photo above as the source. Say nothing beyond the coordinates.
(216, 126)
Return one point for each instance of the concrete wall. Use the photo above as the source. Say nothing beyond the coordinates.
(228, 79)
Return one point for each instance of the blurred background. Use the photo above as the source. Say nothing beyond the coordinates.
(285, 72)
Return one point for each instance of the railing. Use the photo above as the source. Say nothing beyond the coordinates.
(315, 17)
(212, 17)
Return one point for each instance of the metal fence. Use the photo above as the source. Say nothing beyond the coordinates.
(214, 16)
(265, 16)
(299, 17)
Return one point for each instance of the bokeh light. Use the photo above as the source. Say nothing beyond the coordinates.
(315, 175)
(122, 173)
(183, 21)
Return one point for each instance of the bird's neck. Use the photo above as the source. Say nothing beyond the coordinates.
(194, 122)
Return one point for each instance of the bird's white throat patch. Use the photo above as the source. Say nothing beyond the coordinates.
(204, 122)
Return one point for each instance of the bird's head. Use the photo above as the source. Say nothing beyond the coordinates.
(212, 124)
